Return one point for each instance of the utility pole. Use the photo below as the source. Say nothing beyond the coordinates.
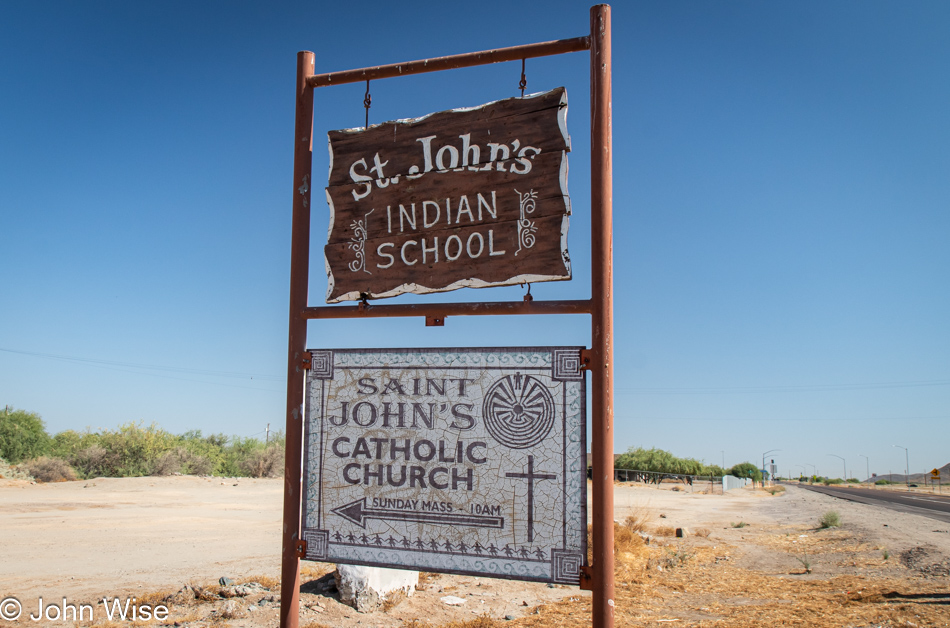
(907, 467)
(867, 462)
(267, 434)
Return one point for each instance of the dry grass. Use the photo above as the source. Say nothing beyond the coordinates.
(699, 584)
(479, 622)
(664, 531)
(393, 599)
(683, 584)
(427, 577)
(640, 516)
(702, 532)
(274, 583)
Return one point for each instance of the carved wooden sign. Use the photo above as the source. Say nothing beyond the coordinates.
(452, 460)
(463, 198)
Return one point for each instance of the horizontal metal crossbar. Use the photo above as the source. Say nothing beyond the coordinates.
(441, 310)
(452, 62)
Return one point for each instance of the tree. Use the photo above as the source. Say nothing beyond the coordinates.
(746, 470)
(658, 461)
(22, 435)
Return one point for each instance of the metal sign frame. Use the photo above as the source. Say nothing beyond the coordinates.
(599, 360)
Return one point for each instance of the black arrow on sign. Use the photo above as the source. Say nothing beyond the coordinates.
(358, 513)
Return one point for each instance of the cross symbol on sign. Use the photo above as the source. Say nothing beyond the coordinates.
(531, 476)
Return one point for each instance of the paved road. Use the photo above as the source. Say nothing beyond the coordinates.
(933, 506)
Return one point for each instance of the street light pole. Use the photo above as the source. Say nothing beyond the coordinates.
(845, 464)
(867, 462)
(907, 462)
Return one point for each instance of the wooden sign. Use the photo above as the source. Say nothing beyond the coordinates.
(464, 198)
(463, 461)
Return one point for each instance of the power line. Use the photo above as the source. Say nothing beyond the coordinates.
(144, 369)
(777, 389)
(794, 419)
(151, 367)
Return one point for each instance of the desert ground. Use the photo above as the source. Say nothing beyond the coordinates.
(749, 558)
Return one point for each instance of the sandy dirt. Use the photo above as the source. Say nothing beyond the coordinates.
(149, 537)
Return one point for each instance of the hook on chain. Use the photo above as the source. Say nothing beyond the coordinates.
(524, 79)
(527, 297)
(367, 103)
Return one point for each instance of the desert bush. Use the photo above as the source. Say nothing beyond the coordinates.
(136, 450)
(853, 481)
(639, 518)
(130, 450)
(883, 482)
(703, 532)
(740, 524)
(830, 519)
(264, 463)
(22, 435)
(45, 469)
(181, 460)
(804, 561)
(93, 461)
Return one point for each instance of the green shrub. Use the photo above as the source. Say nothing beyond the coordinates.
(746, 470)
(854, 481)
(830, 481)
(883, 482)
(22, 435)
(830, 519)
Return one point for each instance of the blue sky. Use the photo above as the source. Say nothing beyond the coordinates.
(781, 199)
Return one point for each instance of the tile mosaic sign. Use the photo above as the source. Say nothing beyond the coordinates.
(466, 461)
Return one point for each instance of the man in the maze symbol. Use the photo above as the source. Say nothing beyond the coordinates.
(518, 411)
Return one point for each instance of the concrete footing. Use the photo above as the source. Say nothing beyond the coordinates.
(366, 588)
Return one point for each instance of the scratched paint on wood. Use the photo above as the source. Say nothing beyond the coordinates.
(449, 460)
(471, 197)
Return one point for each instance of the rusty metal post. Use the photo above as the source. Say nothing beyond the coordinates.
(602, 418)
(297, 341)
